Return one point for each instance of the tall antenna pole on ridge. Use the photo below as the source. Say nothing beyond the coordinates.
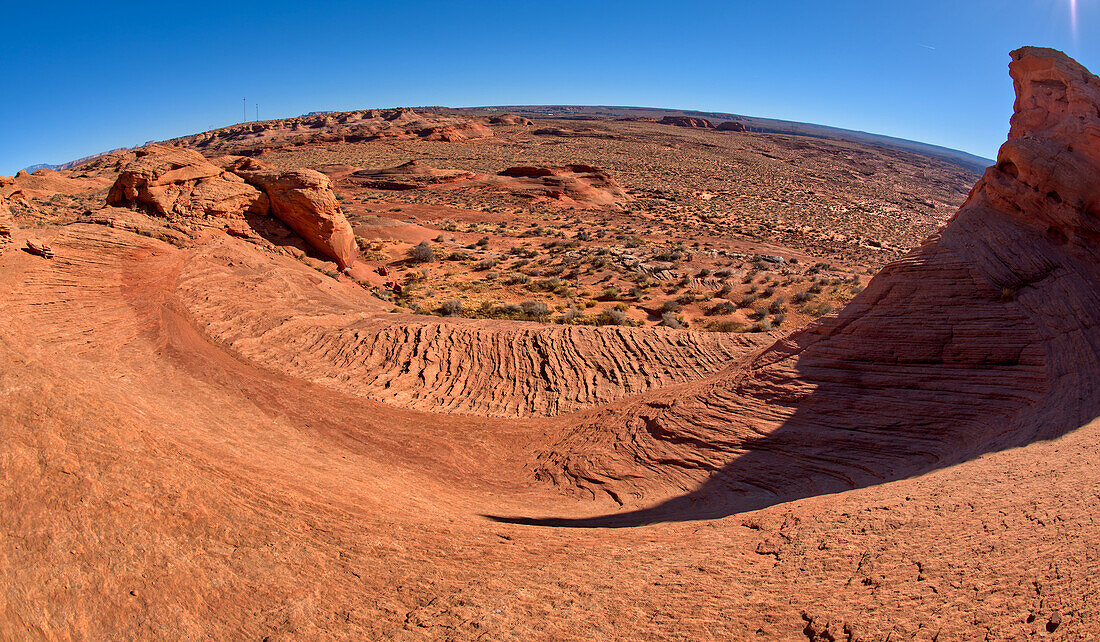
(257, 112)
(244, 110)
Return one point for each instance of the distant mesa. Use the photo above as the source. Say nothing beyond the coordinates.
(731, 126)
(511, 120)
(33, 168)
(687, 121)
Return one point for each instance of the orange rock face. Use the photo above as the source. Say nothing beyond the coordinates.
(173, 182)
(304, 200)
(1047, 173)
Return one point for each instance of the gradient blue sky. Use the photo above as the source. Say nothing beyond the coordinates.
(85, 77)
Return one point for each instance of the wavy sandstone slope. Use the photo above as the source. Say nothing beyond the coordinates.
(983, 338)
(464, 366)
(192, 444)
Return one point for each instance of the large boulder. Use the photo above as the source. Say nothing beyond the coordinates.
(180, 183)
(304, 200)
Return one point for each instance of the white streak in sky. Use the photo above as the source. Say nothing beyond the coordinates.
(1073, 19)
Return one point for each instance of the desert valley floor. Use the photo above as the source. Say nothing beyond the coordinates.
(567, 373)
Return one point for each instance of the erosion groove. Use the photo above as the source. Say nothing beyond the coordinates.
(105, 281)
(461, 366)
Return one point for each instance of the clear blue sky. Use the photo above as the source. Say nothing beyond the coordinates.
(84, 77)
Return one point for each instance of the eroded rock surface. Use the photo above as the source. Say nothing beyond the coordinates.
(304, 200)
(180, 183)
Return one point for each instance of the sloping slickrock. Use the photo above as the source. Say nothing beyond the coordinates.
(985, 337)
(180, 183)
(304, 200)
(510, 369)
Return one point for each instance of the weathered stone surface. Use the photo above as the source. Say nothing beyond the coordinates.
(510, 119)
(304, 200)
(39, 247)
(180, 183)
(583, 186)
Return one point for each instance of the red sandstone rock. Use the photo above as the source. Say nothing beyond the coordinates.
(304, 200)
(457, 132)
(173, 182)
(510, 119)
(687, 121)
(39, 247)
(731, 126)
(583, 186)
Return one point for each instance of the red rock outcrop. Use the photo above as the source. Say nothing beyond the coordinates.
(180, 183)
(6, 223)
(46, 182)
(687, 121)
(985, 337)
(304, 200)
(576, 186)
(252, 139)
(510, 119)
(410, 175)
(731, 126)
(582, 186)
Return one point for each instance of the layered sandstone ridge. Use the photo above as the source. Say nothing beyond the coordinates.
(985, 337)
(472, 367)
